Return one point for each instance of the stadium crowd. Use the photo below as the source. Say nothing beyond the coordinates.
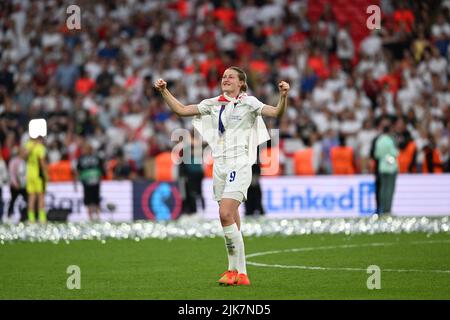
(96, 84)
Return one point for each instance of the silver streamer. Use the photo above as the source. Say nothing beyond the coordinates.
(192, 227)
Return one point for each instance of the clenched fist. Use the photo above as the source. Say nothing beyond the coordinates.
(283, 87)
(160, 85)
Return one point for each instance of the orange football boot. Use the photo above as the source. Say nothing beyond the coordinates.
(242, 280)
(228, 278)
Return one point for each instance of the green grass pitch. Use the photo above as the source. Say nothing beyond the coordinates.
(188, 268)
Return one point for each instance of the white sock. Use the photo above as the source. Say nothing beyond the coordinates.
(235, 248)
(242, 267)
(231, 235)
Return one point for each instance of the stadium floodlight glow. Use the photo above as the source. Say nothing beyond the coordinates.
(37, 127)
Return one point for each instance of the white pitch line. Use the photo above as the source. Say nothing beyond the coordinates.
(258, 254)
(346, 246)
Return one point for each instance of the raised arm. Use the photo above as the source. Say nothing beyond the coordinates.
(175, 105)
(278, 111)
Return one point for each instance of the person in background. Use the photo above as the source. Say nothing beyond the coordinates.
(123, 170)
(90, 171)
(342, 157)
(3, 181)
(432, 162)
(386, 153)
(254, 193)
(407, 147)
(36, 178)
(17, 168)
(376, 172)
(191, 175)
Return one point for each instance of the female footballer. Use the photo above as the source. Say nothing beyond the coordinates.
(232, 118)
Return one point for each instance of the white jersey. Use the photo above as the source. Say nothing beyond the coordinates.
(232, 122)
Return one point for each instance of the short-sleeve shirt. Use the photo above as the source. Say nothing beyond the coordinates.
(36, 151)
(90, 169)
(238, 118)
(386, 153)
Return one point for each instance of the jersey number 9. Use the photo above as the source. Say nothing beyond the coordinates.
(232, 176)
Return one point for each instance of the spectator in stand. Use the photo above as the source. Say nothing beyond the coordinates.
(66, 74)
(122, 48)
(371, 88)
(403, 18)
(3, 182)
(84, 84)
(104, 81)
(308, 81)
(345, 48)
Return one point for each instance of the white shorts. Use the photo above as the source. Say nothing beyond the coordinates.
(231, 178)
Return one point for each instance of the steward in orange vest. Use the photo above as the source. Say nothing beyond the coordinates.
(407, 158)
(164, 167)
(304, 160)
(432, 162)
(342, 159)
(60, 171)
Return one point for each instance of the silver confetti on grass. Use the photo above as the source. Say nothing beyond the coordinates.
(191, 227)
